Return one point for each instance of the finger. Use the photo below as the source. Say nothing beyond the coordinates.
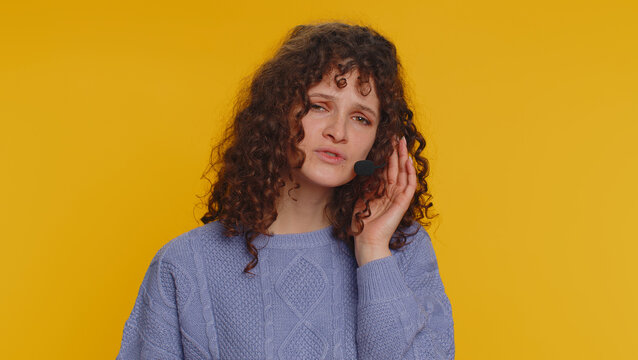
(402, 178)
(411, 187)
(393, 166)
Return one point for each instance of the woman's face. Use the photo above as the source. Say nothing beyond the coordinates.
(339, 129)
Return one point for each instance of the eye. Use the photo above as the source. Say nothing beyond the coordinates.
(317, 107)
(362, 120)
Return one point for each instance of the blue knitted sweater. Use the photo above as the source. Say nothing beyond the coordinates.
(308, 300)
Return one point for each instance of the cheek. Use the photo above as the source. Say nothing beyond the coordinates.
(367, 146)
(307, 131)
(307, 127)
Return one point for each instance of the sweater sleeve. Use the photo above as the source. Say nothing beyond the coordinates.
(152, 329)
(404, 315)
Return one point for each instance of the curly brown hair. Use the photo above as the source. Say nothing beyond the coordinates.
(252, 158)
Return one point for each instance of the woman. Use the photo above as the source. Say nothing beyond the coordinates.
(299, 257)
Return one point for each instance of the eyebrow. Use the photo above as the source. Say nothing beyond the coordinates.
(359, 105)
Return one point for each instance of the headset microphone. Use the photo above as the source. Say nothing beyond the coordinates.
(365, 167)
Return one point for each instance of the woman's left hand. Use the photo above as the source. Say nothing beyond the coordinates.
(387, 211)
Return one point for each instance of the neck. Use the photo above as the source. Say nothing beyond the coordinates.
(304, 214)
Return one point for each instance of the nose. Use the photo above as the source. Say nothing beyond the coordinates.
(335, 129)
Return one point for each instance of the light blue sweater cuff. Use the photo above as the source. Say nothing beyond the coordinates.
(380, 280)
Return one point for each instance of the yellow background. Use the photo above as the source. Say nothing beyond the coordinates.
(109, 109)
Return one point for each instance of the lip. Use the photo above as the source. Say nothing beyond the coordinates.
(321, 153)
(332, 150)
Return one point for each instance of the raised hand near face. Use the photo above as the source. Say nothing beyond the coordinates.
(387, 211)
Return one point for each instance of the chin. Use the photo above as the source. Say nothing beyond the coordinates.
(333, 183)
(327, 180)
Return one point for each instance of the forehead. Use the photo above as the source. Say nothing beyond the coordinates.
(333, 83)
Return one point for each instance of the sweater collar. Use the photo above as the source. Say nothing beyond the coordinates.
(296, 241)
